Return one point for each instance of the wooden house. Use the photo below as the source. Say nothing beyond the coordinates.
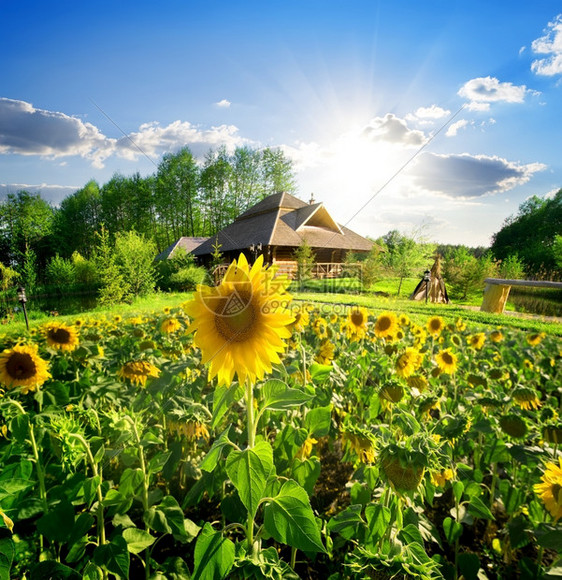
(277, 226)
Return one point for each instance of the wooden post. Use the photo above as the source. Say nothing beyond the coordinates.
(495, 297)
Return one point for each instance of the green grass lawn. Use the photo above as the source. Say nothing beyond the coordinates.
(376, 301)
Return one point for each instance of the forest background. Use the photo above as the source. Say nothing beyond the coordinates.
(103, 239)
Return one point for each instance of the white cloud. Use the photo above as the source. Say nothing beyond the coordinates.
(154, 140)
(25, 130)
(468, 176)
(455, 127)
(392, 129)
(224, 104)
(432, 113)
(482, 91)
(549, 44)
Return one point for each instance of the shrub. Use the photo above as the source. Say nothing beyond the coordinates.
(85, 270)
(134, 257)
(186, 279)
(61, 272)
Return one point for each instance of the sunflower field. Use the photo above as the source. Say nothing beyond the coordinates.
(244, 435)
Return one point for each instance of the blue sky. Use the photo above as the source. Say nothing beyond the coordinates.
(434, 118)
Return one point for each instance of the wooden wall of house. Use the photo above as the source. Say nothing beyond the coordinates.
(287, 253)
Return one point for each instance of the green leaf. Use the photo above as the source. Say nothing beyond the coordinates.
(307, 472)
(223, 399)
(214, 454)
(469, 565)
(92, 572)
(277, 396)
(7, 552)
(157, 462)
(494, 452)
(81, 527)
(479, 509)
(519, 533)
(289, 519)
(378, 520)
(347, 522)
(410, 534)
(52, 569)
(249, 470)
(458, 488)
(214, 555)
(155, 519)
(511, 495)
(452, 529)
(131, 482)
(549, 537)
(90, 487)
(19, 428)
(318, 421)
(56, 525)
(319, 373)
(114, 557)
(137, 540)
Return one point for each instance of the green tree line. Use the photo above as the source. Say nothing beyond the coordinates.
(182, 198)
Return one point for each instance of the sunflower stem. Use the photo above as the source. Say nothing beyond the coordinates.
(144, 492)
(38, 466)
(99, 492)
(251, 427)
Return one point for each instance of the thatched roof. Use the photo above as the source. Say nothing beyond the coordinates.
(187, 243)
(284, 220)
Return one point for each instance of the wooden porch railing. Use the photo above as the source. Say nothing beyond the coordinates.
(290, 268)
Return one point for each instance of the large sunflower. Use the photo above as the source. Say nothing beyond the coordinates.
(356, 326)
(240, 324)
(61, 336)
(408, 362)
(446, 361)
(386, 325)
(21, 366)
(550, 490)
(435, 325)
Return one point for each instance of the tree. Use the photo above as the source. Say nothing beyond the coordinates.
(113, 288)
(26, 221)
(464, 273)
(134, 258)
(176, 197)
(531, 235)
(557, 250)
(61, 272)
(77, 220)
(215, 185)
(304, 256)
(8, 277)
(405, 255)
(126, 204)
(278, 172)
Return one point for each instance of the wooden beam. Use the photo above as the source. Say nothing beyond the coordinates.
(530, 283)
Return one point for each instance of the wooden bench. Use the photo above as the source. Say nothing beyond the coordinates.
(497, 290)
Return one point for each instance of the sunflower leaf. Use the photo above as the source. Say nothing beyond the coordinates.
(223, 399)
(277, 396)
(249, 470)
(214, 454)
(289, 519)
(214, 555)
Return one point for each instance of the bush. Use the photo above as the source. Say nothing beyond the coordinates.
(134, 257)
(61, 273)
(186, 279)
(85, 270)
